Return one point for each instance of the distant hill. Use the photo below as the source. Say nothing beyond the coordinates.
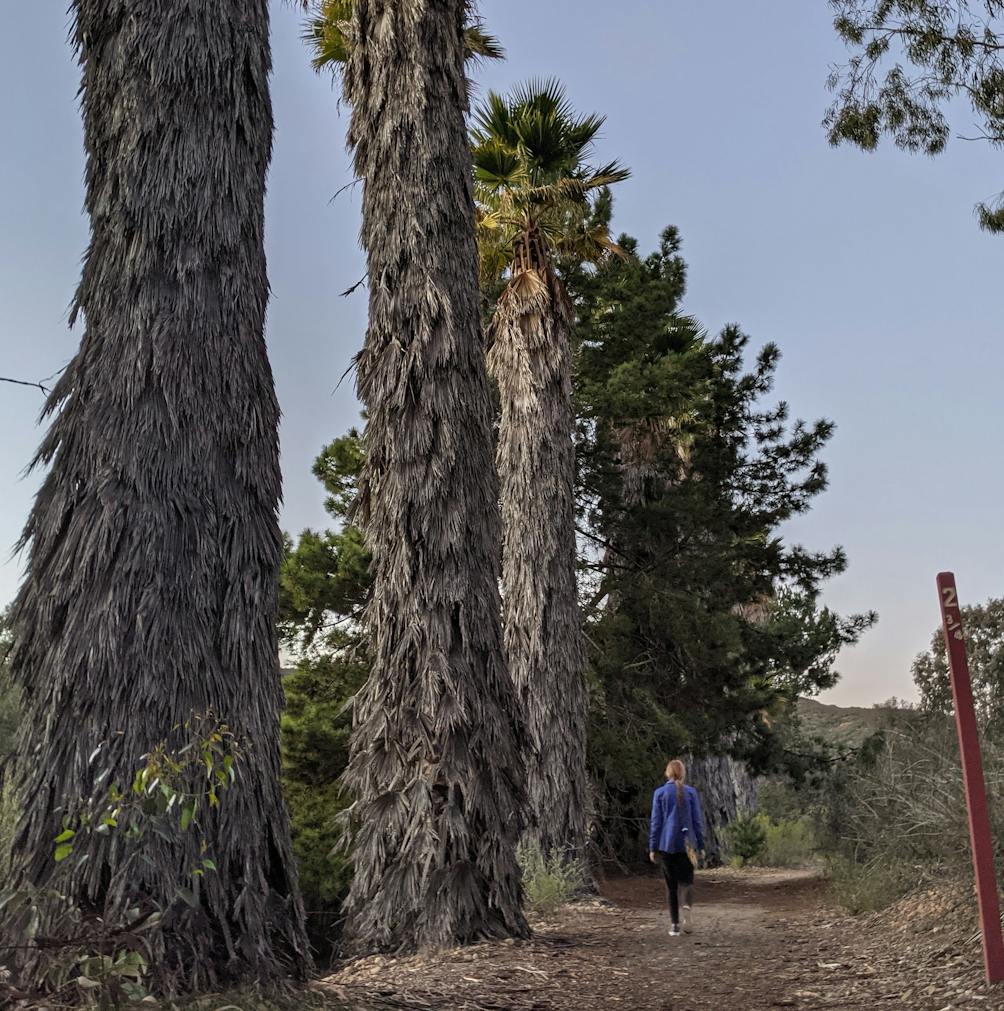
(848, 725)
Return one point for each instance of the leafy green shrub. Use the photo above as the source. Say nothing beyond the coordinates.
(868, 887)
(322, 591)
(106, 957)
(315, 742)
(746, 839)
(790, 842)
(324, 871)
(548, 882)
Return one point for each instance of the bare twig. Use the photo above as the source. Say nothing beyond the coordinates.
(348, 291)
(24, 382)
(39, 385)
(352, 365)
(342, 189)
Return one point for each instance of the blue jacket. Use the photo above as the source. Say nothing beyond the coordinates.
(670, 829)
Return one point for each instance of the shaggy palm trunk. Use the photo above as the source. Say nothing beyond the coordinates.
(434, 764)
(530, 359)
(150, 592)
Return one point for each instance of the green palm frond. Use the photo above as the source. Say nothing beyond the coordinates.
(495, 260)
(575, 244)
(497, 166)
(480, 45)
(607, 175)
(584, 132)
(580, 241)
(544, 140)
(554, 195)
(492, 122)
(326, 36)
(542, 97)
(531, 173)
(547, 121)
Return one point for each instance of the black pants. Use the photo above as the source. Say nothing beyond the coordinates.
(678, 872)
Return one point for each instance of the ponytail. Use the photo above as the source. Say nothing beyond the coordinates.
(677, 772)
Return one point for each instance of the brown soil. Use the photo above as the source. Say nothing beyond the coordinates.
(762, 939)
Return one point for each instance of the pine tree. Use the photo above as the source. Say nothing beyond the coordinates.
(323, 586)
(700, 612)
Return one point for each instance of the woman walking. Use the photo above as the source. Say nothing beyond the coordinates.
(675, 837)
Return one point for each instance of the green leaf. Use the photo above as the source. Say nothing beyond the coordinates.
(63, 851)
(187, 814)
(65, 836)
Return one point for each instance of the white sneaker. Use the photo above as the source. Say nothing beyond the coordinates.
(688, 919)
(674, 930)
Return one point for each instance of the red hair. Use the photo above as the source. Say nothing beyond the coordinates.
(676, 771)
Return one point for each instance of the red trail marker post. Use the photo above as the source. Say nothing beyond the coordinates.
(972, 772)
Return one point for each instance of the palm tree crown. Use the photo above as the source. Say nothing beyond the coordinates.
(532, 178)
(329, 29)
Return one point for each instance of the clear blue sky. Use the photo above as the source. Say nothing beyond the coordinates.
(867, 270)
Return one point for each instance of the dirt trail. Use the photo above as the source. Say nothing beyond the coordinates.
(762, 939)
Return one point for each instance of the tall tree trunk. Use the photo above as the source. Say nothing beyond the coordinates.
(530, 359)
(434, 764)
(150, 592)
(727, 792)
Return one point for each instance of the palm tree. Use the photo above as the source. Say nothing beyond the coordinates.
(154, 544)
(534, 192)
(434, 764)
